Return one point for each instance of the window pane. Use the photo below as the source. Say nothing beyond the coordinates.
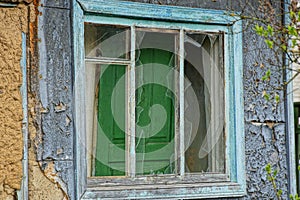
(106, 86)
(204, 103)
(155, 101)
(106, 41)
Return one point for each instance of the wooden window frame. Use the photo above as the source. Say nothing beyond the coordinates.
(230, 184)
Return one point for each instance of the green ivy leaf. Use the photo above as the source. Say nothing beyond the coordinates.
(270, 30)
(268, 168)
(275, 172)
(294, 43)
(259, 29)
(292, 31)
(268, 73)
(292, 14)
(267, 97)
(279, 193)
(277, 98)
(269, 43)
(284, 47)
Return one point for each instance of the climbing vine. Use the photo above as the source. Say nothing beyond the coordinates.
(279, 27)
(277, 24)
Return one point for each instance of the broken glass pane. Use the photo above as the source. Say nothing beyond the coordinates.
(155, 101)
(106, 41)
(107, 83)
(204, 103)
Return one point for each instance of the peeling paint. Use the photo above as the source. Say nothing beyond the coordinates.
(42, 184)
(45, 182)
(51, 173)
(265, 145)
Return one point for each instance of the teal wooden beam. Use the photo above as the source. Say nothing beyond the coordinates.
(157, 12)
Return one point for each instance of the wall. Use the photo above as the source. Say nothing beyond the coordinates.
(17, 17)
(12, 23)
(51, 131)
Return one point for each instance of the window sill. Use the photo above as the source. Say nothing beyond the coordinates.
(165, 179)
(166, 191)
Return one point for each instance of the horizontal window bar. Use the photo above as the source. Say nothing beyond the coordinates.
(157, 30)
(104, 60)
(157, 24)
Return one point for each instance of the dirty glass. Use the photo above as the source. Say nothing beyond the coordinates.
(108, 83)
(107, 41)
(155, 102)
(204, 103)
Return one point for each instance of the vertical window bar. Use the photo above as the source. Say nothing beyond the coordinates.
(226, 62)
(130, 133)
(181, 101)
(176, 83)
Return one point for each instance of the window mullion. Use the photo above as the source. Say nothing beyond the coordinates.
(176, 83)
(130, 135)
(102, 60)
(181, 102)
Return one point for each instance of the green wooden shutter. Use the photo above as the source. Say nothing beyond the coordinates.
(109, 160)
(111, 137)
(147, 96)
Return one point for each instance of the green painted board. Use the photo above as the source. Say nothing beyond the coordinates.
(110, 154)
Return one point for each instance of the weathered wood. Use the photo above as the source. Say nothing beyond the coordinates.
(159, 24)
(158, 30)
(102, 60)
(79, 95)
(130, 134)
(198, 191)
(157, 180)
(236, 133)
(181, 104)
(159, 12)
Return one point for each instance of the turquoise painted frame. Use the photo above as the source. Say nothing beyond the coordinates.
(168, 17)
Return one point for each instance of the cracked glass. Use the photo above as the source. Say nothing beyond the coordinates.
(157, 102)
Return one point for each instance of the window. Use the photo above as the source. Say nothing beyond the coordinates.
(158, 102)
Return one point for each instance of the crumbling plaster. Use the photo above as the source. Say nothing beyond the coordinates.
(44, 182)
(16, 1)
(12, 23)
